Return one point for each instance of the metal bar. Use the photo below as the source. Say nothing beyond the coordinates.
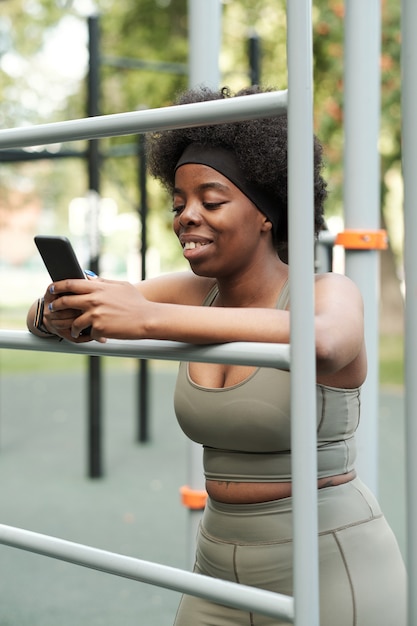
(204, 42)
(409, 138)
(203, 59)
(141, 64)
(134, 122)
(231, 594)
(362, 200)
(19, 156)
(94, 421)
(254, 54)
(143, 402)
(301, 272)
(95, 460)
(237, 353)
(143, 378)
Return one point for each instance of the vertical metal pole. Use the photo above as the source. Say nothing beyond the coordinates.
(94, 363)
(143, 404)
(362, 199)
(409, 134)
(204, 51)
(204, 39)
(254, 58)
(301, 268)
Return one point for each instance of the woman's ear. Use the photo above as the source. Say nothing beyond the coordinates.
(266, 224)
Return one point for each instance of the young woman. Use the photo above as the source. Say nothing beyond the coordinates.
(229, 188)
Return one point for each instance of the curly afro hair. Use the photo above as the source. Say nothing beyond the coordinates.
(260, 146)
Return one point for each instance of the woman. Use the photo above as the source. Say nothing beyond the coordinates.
(229, 189)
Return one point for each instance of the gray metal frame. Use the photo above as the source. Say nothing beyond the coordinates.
(135, 122)
(249, 353)
(301, 349)
(302, 339)
(409, 137)
(231, 594)
(362, 199)
(145, 121)
(212, 112)
(204, 54)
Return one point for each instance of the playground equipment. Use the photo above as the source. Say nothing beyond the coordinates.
(362, 212)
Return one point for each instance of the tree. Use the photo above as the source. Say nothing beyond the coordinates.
(145, 31)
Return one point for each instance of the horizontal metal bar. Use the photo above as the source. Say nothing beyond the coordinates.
(326, 238)
(19, 156)
(141, 64)
(228, 593)
(134, 122)
(238, 353)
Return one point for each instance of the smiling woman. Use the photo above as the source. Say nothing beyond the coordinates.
(209, 212)
(229, 188)
(226, 148)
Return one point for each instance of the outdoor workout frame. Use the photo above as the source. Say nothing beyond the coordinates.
(361, 114)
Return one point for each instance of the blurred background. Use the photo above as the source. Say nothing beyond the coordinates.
(68, 59)
(142, 62)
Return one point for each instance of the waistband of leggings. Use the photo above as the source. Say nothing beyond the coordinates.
(340, 506)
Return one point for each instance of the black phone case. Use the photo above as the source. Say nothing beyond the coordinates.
(60, 260)
(59, 257)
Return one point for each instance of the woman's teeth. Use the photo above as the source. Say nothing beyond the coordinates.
(190, 245)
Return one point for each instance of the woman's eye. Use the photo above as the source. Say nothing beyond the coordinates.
(209, 206)
(212, 205)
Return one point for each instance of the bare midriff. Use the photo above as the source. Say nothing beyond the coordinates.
(252, 493)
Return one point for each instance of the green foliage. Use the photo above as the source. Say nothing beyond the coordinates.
(142, 31)
(138, 33)
(329, 89)
(328, 82)
(265, 19)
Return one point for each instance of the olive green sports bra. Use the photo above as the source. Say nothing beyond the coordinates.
(246, 429)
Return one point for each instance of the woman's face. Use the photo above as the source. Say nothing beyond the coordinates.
(219, 228)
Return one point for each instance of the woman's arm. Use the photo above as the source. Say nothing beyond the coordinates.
(181, 287)
(122, 311)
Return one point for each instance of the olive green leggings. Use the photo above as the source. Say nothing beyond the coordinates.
(362, 575)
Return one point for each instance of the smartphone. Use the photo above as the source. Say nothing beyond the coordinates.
(60, 260)
(59, 257)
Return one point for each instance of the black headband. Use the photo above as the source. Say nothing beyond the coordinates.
(224, 161)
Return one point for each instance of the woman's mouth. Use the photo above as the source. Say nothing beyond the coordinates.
(191, 245)
(193, 249)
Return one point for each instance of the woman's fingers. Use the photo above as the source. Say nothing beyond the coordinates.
(80, 326)
(76, 286)
(74, 302)
(106, 306)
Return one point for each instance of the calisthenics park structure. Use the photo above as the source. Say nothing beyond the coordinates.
(93, 156)
(362, 239)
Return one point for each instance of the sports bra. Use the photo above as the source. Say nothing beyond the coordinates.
(245, 429)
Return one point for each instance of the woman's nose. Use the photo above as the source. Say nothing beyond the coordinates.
(190, 214)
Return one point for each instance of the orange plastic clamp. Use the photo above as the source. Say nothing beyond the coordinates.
(193, 498)
(363, 239)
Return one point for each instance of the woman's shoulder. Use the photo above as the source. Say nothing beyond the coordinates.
(334, 280)
(177, 288)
